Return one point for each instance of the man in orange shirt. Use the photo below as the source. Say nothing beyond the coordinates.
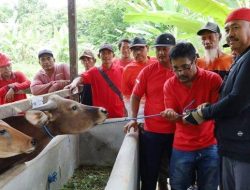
(139, 49)
(157, 137)
(11, 83)
(214, 59)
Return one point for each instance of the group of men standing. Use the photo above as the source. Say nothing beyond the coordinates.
(194, 114)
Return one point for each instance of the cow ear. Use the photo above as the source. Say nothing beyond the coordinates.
(37, 118)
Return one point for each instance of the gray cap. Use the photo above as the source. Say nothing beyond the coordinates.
(212, 27)
(45, 51)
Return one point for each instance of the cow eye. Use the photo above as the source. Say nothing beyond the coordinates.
(3, 132)
(74, 108)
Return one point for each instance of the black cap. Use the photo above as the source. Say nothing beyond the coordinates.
(44, 51)
(210, 27)
(165, 39)
(106, 46)
(138, 42)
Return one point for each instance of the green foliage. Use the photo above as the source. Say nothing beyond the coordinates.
(89, 178)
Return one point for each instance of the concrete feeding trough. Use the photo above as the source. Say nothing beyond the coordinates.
(99, 146)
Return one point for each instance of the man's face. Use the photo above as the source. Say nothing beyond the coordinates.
(88, 62)
(162, 54)
(6, 72)
(125, 50)
(47, 62)
(140, 53)
(238, 35)
(184, 69)
(106, 56)
(210, 40)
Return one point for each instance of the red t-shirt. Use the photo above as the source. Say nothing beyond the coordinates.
(205, 88)
(103, 95)
(121, 62)
(20, 81)
(130, 73)
(150, 83)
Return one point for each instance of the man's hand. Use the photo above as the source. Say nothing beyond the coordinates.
(170, 114)
(194, 117)
(201, 106)
(62, 83)
(129, 125)
(9, 97)
(73, 86)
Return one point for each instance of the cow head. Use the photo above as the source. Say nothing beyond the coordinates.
(66, 116)
(14, 142)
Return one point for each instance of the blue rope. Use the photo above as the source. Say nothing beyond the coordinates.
(46, 129)
(129, 119)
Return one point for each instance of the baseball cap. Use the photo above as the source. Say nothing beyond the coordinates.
(106, 46)
(4, 60)
(138, 42)
(87, 53)
(44, 51)
(165, 39)
(210, 26)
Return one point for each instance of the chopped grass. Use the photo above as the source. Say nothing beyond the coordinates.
(89, 178)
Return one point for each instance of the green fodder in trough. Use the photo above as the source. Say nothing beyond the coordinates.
(89, 178)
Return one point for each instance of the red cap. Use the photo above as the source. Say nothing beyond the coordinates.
(4, 60)
(239, 14)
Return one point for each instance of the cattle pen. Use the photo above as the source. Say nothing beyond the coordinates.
(99, 146)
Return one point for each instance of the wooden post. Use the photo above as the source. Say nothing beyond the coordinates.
(72, 39)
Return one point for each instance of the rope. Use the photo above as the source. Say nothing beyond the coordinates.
(129, 119)
(46, 129)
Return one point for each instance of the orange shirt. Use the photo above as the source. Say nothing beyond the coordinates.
(221, 65)
(130, 73)
(103, 95)
(150, 83)
(205, 88)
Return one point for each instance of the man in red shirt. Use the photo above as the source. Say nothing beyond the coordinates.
(139, 49)
(124, 48)
(157, 137)
(11, 83)
(103, 95)
(214, 59)
(194, 147)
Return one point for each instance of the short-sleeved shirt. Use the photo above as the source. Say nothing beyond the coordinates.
(102, 94)
(220, 65)
(42, 82)
(20, 81)
(122, 62)
(150, 83)
(130, 73)
(205, 88)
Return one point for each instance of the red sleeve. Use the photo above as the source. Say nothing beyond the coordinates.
(140, 84)
(37, 87)
(215, 87)
(87, 76)
(22, 82)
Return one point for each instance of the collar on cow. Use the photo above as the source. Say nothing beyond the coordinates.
(47, 131)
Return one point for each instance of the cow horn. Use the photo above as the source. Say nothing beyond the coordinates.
(50, 105)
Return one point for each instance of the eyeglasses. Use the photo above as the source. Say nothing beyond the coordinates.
(183, 68)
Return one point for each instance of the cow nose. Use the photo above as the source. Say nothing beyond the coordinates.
(104, 111)
(33, 142)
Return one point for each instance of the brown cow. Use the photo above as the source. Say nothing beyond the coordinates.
(13, 142)
(60, 116)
